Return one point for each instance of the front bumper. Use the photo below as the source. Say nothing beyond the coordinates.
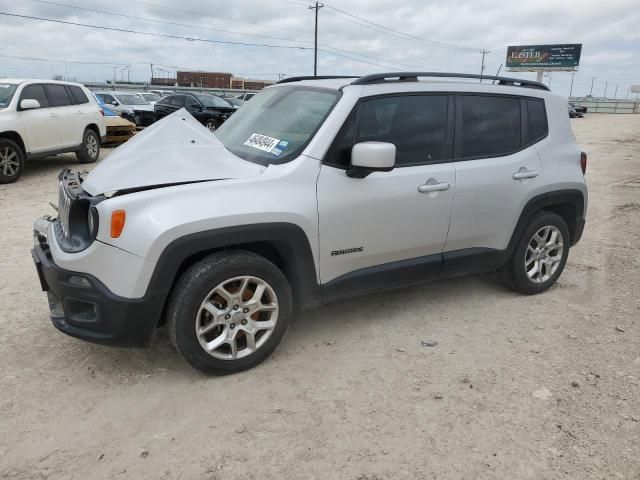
(83, 307)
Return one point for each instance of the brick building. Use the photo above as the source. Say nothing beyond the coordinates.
(204, 79)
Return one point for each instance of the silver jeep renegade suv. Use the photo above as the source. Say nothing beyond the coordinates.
(316, 190)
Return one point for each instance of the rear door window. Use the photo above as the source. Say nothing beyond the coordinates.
(58, 96)
(488, 126)
(35, 92)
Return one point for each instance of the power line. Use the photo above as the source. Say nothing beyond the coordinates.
(383, 29)
(166, 22)
(200, 14)
(164, 35)
(195, 27)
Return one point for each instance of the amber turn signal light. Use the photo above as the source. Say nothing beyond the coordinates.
(117, 223)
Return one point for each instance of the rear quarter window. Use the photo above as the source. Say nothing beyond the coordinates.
(77, 95)
(537, 119)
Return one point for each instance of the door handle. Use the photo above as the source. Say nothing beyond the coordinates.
(523, 173)
(434, 187)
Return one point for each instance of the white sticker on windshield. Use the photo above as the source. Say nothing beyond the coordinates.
(262, 142)
(4, 85)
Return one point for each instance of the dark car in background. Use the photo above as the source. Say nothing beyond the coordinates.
(209, 110)
(578, 108)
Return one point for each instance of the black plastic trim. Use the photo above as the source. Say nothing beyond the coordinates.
(382, 277)
(413, 77)
(289, 240)
(117, 321)
(317, 77)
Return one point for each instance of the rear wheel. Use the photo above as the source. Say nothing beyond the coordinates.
(229, 311)
(540, 256)
(90, 148)
(11, 161)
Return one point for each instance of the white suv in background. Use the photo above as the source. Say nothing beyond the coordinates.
(39, 118)
(129, 105)
(314, 191)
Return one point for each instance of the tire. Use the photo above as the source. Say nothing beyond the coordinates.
(11, 161)
(90, 148)
(208, 282)
(212, 124)
(538, 275)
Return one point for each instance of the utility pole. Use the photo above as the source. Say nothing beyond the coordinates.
(151, 81)
(484, 52)
(627, 95)
(605, 89)
(592, 80)
(615, 94)
(571, 89)
(317, 7)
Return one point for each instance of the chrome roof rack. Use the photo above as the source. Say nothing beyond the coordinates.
(413, 77)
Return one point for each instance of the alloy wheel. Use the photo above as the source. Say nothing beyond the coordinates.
(237, 317)
(9, 161)
(544, 254)
(92, 146)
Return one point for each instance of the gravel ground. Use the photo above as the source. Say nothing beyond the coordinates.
(516, 388)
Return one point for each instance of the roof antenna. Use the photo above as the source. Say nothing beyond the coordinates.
(497, 73)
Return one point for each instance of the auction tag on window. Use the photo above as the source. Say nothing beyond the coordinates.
(4, 85)
(262, 142)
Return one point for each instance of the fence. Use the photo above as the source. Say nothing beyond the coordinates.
(609, 106)
(223, 92)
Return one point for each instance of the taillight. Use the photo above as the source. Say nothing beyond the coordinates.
(583, 162)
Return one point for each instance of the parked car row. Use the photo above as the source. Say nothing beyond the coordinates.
(40, 118)
(144, 108)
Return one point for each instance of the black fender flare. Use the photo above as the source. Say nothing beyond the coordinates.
(288, 240)
(547, 200)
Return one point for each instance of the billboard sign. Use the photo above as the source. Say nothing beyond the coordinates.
(543, 57)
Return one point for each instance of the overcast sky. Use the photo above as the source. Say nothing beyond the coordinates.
(445, 36)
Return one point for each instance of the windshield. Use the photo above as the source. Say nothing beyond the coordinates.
(212, 101)
(6, 93)
(234, 101)
(277, 124)
(131, 99)
(150, 97)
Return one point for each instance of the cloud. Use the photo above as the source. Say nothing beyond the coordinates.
(611, 40)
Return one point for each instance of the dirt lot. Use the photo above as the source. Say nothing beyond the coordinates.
(516, 387)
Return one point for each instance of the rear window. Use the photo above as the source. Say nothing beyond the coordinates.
(490, 126)
(77, 95)
(35, 92)
(58, 95)
(537, 118)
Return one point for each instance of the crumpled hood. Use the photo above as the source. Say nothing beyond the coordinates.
(176, 149)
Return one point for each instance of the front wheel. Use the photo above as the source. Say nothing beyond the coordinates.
(229, 311)
(90, 148)
(11, 161)
(540, 256)
(211, 124)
